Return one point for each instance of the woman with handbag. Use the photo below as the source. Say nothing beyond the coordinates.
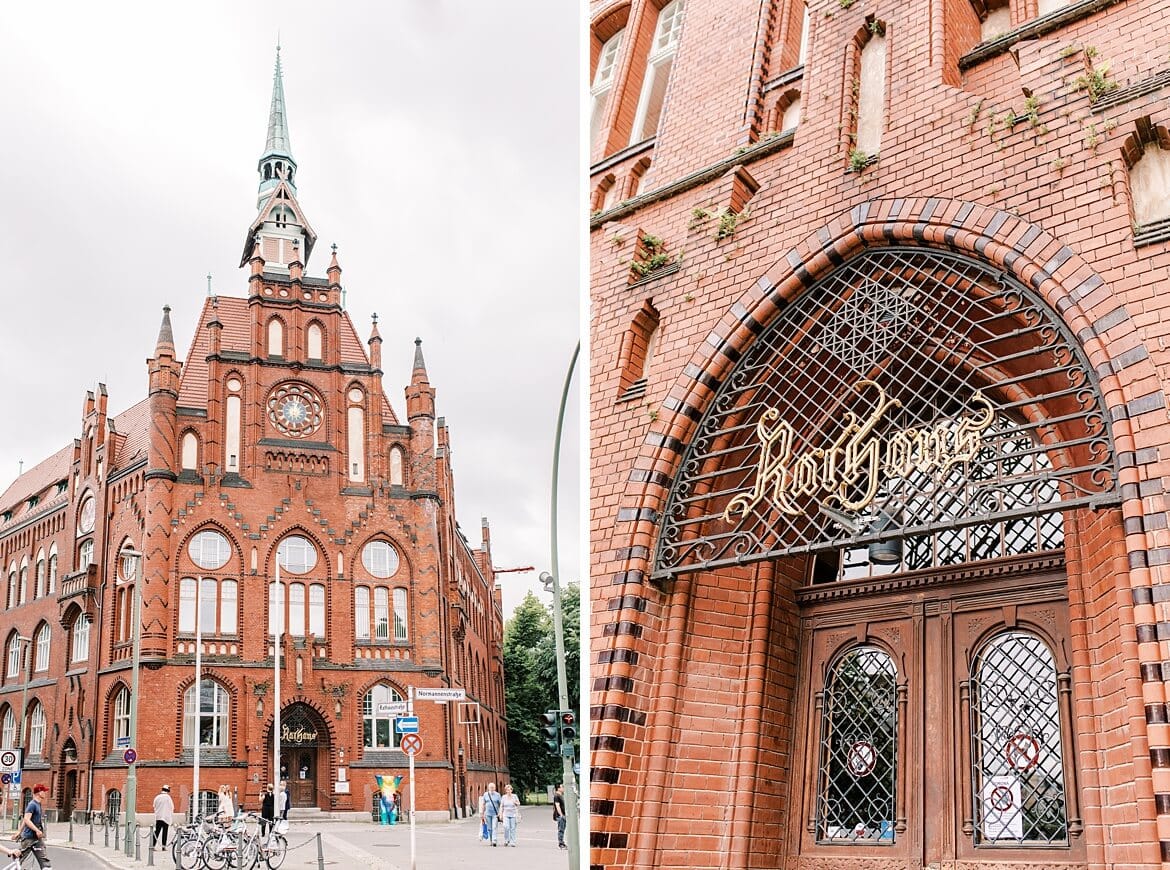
(510, 812)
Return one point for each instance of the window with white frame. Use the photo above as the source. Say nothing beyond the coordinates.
(53, 569)
(44, 639)
(121, 715)
(218, 602)
(299, 611)
(40, 588)
(317, 610)
(658, 66)
(378, 730)
(209, 550)
(396, 474)
(297, 555)
(380, 559)
(13, 656)
(381, 613)
(189, 460)
(231, 448)
(24, 581)
(36, 729)
(602, 86)
(85, 554)
(11, 600)
(79, 651)
(207, 719)
(8, 730)
(361, 613)
(400, 614)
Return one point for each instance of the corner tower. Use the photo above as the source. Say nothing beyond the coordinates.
(280, 230)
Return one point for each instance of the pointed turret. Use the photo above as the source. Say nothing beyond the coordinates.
(280, 231)
(166, 338)
(375, 343)
(420, 395)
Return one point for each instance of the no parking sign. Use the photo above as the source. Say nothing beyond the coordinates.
(11, 762)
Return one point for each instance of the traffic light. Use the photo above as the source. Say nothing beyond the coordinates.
(568, 732)
(551, 720)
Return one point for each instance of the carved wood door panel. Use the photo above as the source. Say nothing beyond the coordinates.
(937, 719)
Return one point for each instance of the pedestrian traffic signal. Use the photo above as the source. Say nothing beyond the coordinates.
(551, 723)
(568, 728)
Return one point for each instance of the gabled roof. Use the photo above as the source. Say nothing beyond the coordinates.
(281, 195)
(37, 478)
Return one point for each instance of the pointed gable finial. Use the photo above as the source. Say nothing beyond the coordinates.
(419, 364)
(278, 140)
(166, 338)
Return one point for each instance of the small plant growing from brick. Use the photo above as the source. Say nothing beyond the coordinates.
(858, 160)
(654, 257)
(973, 118)
(877, 28)
(1095, 80)
(1057, 165)
(845, 4)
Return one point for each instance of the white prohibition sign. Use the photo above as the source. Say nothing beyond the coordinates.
(1022, 752)
(862, 758)
(1001, 798)
(7, 758)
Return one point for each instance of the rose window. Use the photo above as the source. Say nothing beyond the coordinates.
(295, 410)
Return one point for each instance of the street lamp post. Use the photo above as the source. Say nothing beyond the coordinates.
(567, 776)
(136, 622)
(26, 648)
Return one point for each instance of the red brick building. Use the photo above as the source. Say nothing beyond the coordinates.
(273, 439)
(879, 434)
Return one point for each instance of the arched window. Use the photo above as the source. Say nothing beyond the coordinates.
(40, 587)
(1149, 181)
(53, 569)
(12, 592)
(400, 614)
(871, 95)
(44, 639)
(356, 431)
(378, 730)
(1017, 758)
(121, 715)
(858, 750)
(8, 729)
(36, 729)
(79, 648)
(314, 343)
(85, 554)
(208, 720)
(24, 589)
(275, 337)
(657, 76)
(297, 555)
(190, 452)
(602, 85)
(186, 605)
(14, 656)
(296, 609)
(231, 447)
(396, 474)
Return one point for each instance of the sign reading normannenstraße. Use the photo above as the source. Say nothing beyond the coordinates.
(858, 459)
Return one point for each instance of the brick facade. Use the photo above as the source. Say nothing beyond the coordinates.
(260, 435)
(702, 683)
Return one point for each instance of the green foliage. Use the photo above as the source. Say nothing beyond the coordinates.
(1096, 79)
(530, 686)
(857, 160)
(845, 4)
(656, 257)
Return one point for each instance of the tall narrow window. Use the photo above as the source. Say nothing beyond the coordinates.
(296, 609)
(603, 84)
(121, 715)
(187, 606)
(190, 454)
(85, 555)
(13, 657)
(658, 66)
(36, 729)
(232, 425)
(357, 439)
(53, 569)
(400, 614)
(209, 720)
(40, 588)
(12, 592)
(361, 613)
(44, 638)
(207, 605)
(381, 614)
(80, 647)
(8, 730)
(871, 95)
(313, 342)
(997, 19)
(396, 476)
(24, 587)
(317, 610)
(1018, 763)
(804, 26)
(1149, 180)
(228, 614)
(858, 750)
(275, 338)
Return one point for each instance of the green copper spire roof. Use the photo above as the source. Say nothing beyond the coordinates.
(278, 141)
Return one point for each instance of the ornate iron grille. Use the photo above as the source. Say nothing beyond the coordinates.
(910, 393)
(1017, 764)
(855, 800)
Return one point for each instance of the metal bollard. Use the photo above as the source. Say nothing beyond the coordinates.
(91, 829)
(137, 845)
(71, 827)
(150, 855)
(240, 848)
(320, 854)
(105, 833)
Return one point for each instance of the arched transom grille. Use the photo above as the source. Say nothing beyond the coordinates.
(910, 392)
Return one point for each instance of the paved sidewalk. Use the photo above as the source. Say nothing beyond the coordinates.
(440, 846)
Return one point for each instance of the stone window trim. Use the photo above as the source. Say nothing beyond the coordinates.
(1032, 29)
(636, 350)
(851, 120)
(603, 29)
(1134, 148)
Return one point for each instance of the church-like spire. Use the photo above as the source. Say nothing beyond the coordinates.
(420, 395)
(166, 338)
(277, 162)
(419, 375)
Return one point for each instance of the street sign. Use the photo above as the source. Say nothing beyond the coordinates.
(440, 694)
(411, 744)
(129, 756)
(5, 778)
(122, 742)
(392, 708)
(406, 724)
(11, 760)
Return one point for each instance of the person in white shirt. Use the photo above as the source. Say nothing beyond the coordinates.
(164, 815)
(225, 812)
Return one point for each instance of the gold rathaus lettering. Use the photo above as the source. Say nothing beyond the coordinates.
(849, 471)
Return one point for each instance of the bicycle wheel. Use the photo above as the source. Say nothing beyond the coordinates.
(211, 855)
(187, 853)
(276, 850)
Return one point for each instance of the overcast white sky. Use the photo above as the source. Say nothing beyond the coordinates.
(437, 144)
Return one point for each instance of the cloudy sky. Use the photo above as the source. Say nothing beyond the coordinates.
(437, 144)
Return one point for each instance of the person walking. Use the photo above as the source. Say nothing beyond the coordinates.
(267, 810)
(510, 811)
(489, 810)
(32, 828)
(283, 800)
(164, 815)
(559, 815)
(225, 812)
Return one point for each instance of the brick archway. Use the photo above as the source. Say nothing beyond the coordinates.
(636, 695)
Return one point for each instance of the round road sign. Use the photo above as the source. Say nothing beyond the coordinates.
(5, 778)
(411, 744)
(129, 756)
(7, 758)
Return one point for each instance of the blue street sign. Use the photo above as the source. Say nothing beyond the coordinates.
(406, 724)
(129, 756)
(16, 778)
(122, 742)
(5, 778)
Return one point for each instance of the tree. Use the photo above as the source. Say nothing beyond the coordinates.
(531, 685)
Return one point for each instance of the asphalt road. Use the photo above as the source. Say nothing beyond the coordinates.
(66, 859)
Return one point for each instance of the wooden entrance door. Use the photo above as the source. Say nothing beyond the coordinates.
(304, 783)
(939, 727)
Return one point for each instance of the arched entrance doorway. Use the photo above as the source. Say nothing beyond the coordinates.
(68, 781)
(304, 755)
(875, 506)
